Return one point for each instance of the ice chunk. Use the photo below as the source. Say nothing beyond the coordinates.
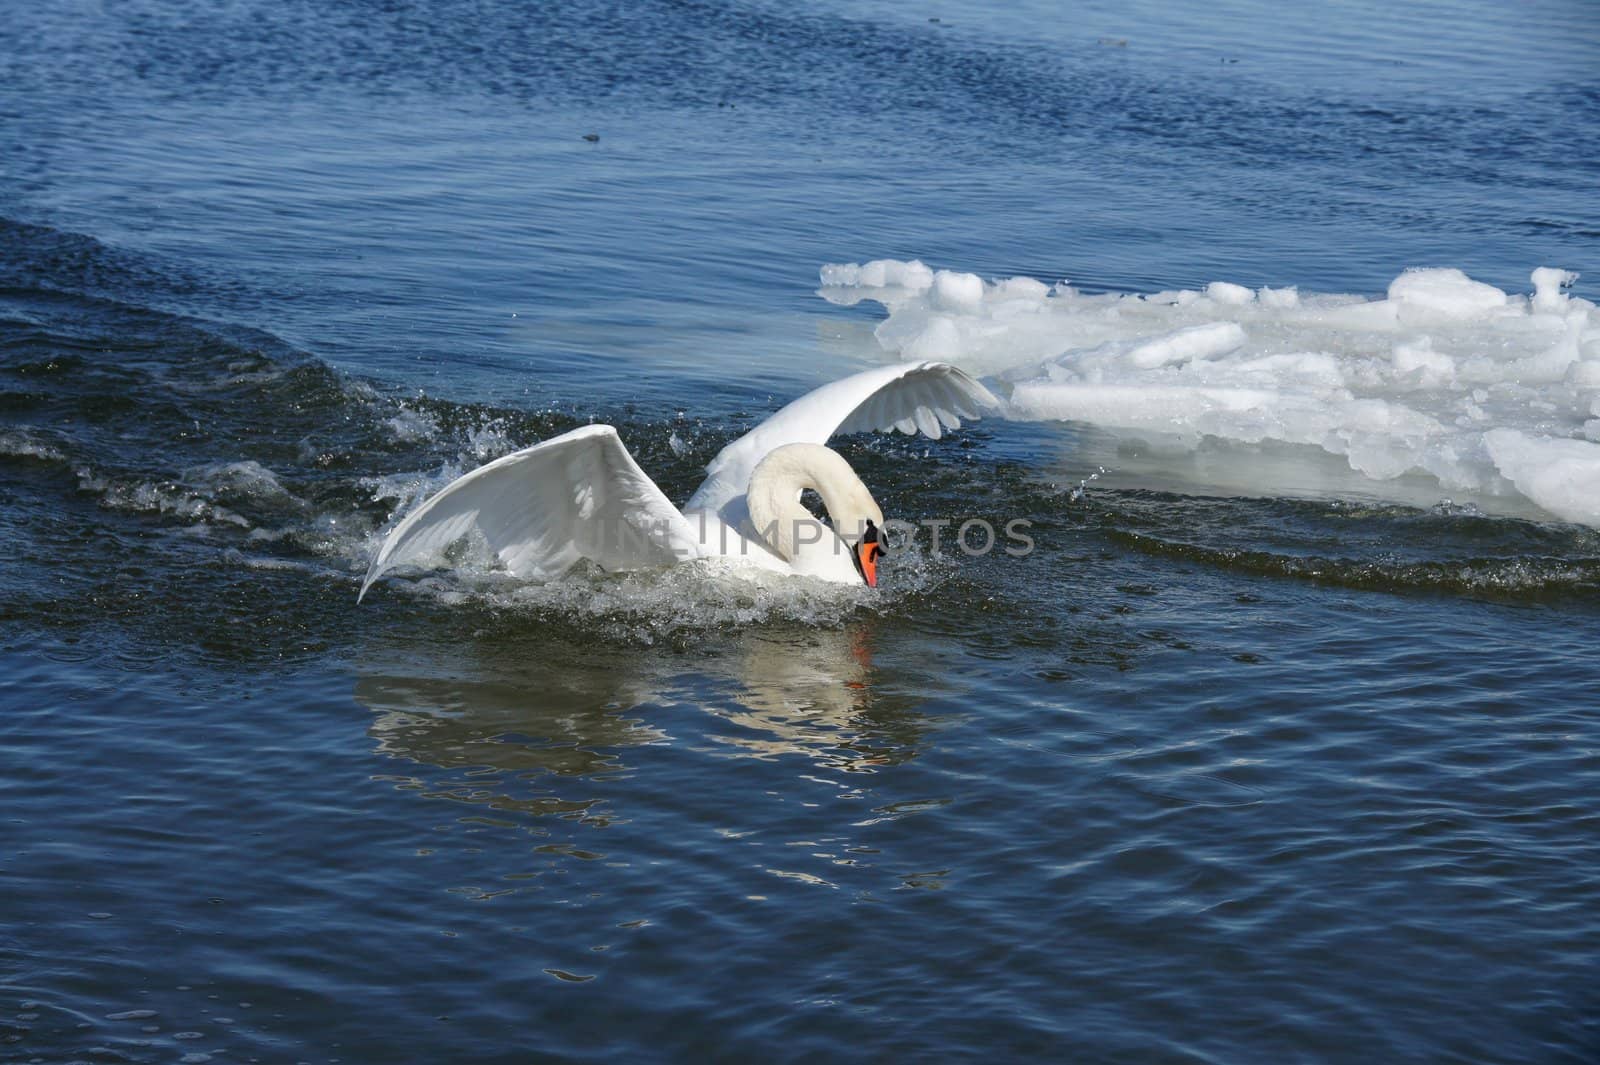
(1547, 285)
(939, 340)
(1196, 342)
(880, 273)
(1420, 380)
(1162, 407)
(1226, 292)
(887, 280)
(1436, 367)
(1021, 288)
(1562, 476)
(1442, 295)
(957, 292)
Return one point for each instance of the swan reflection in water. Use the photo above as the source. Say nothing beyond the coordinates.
(816, 693)
(535, 725)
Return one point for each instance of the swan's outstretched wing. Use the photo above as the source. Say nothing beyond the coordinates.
(541, 509)
(926, 396)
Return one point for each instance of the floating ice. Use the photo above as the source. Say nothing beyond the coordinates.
(1494, 395)
(1421, 296)
(1185, 345)
(1547, 284)
(1227, 292)
(1562, 476)
(880, 273)
(957, 292)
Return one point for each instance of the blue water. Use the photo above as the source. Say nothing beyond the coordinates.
(1203, 778)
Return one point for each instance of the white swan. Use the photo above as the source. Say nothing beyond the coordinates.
(581, 496)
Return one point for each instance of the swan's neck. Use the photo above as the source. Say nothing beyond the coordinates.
(773, 499)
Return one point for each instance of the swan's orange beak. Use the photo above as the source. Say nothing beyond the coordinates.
(867, 560)
(868, 551)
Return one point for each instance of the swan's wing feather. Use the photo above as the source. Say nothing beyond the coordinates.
(921, 396)
(579, 495)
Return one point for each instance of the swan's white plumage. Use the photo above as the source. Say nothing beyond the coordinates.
(581, 495)
(575, 496)
(794, 535)
(890, 397)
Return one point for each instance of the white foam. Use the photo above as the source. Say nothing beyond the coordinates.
(238, 480)
(201, 496)
(409, 426)
(648, 605)
(21, 444)
(1494, 395)
(164, 498)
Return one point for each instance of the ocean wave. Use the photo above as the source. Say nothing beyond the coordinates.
(26, 445)
(1511, 577)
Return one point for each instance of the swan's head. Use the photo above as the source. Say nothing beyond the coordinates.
(774, 504)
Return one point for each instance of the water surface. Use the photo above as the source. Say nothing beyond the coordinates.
(1231, 767)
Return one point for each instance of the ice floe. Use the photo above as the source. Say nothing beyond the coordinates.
(1493, 394)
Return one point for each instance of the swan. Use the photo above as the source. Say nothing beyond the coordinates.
(581, 495)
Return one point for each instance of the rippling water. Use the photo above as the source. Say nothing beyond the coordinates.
(1260, 755)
